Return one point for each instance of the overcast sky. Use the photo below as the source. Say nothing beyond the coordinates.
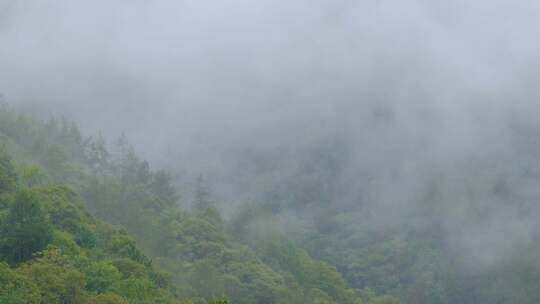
(236, 69)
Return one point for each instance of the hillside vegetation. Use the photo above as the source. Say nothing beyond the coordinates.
(82, 224)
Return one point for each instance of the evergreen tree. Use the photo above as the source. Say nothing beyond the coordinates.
(8, 177)
(25, 230)
(162, 187)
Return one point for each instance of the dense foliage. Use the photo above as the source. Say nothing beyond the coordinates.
(464, 235)
(81, 222)
(58, 252)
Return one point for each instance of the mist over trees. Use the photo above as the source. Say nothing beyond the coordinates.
(271, 152)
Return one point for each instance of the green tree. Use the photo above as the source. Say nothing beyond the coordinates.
(218, 301)
(162, 187)
(107, 298)
(8, 177)
(56, 277)
(96, 154)
(33, 175)
(16, 289)
(100, 276)
(25, 230)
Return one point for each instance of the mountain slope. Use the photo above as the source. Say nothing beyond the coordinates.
(67, 173)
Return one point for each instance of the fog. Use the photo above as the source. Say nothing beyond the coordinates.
(401, 97)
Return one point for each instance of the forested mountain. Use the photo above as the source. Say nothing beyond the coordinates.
(82, 224)
(270, 151)
(452, 228)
